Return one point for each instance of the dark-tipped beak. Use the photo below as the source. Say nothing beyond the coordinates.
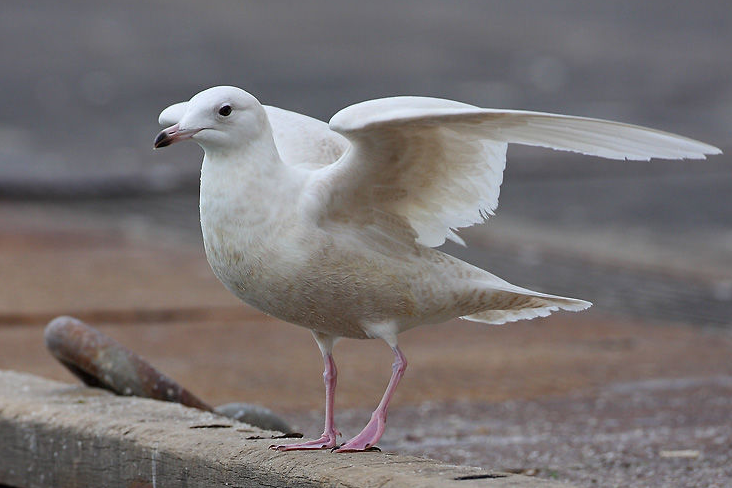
(172, 134)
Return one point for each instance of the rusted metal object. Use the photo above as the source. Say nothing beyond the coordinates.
(98, 360)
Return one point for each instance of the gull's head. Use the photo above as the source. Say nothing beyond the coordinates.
(222, 118)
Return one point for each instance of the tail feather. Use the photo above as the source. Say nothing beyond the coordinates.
(515, 303)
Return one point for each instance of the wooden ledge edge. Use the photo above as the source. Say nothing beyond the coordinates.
(61, 435)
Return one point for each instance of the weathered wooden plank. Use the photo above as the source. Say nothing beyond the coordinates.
(59, 435)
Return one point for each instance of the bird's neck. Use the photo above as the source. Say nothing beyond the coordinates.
(244, 194)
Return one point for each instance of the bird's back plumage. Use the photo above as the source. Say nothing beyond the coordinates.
(304, 141)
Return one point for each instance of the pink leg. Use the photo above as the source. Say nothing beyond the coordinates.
(328, 439)
(371, 434)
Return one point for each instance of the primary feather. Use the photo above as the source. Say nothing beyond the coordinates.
(441, 163)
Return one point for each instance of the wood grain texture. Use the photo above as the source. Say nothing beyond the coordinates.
(60, 435)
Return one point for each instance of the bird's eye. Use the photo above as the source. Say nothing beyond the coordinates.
(225, 110)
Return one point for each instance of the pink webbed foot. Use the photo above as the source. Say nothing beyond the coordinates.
(326, 441)
(330, 375)
(370, 435)
(366, 440)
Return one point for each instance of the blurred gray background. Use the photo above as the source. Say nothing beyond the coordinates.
(83, 83)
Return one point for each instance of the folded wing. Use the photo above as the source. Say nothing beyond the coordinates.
(304, 141)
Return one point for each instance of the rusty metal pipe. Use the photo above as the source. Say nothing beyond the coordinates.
(100, 361)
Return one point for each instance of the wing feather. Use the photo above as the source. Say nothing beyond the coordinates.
(438, 164)
(304, 141)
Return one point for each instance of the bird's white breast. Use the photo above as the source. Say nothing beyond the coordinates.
(265, 250)
(249, 224)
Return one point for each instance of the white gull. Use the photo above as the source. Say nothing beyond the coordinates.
(332, 226)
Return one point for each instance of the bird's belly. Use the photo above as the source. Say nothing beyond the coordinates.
(333, 293)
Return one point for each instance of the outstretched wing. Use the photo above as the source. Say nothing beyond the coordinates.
(425, 167)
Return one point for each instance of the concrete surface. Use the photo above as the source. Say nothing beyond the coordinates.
(54, 434)
(669, 432)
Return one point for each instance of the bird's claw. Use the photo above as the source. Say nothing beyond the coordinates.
(327, 441)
